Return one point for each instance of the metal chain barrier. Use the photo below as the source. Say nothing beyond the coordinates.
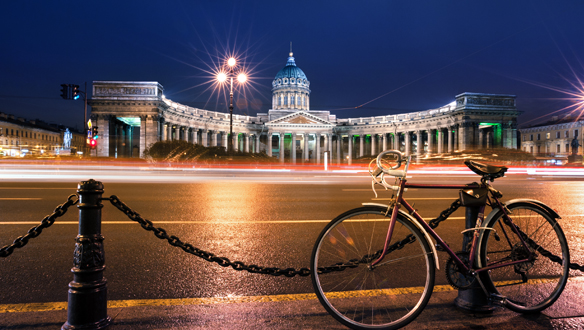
(33, 232)
(222, 261)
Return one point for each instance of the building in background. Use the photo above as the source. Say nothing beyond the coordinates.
(131, 115)
(556, 139)
(20, 137)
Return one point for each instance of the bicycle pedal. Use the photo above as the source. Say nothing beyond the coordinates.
(497, 299)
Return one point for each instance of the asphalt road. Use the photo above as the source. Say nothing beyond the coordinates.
(268, 219)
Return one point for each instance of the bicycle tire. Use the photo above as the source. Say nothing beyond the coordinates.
(386, 297)
(543, 280)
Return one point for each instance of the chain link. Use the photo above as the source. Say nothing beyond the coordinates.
(548, 254)
(33, 232)
(208, 256)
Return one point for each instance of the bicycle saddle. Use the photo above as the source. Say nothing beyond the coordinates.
(485, 170)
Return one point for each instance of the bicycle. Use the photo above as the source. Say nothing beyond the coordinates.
(373, 267)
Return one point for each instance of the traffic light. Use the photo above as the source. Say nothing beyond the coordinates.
(93, 143)
(95, 134)
(65, 91)
(75, 93)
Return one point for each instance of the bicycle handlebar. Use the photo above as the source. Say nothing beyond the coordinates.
(383, 153)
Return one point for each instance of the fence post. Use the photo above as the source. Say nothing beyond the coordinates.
(87, 301)
(474, 298)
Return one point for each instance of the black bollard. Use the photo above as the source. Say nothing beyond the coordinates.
(87, 303)
(474, 298)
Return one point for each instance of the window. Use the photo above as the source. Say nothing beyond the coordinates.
(557, 135)
(567, 134)
(567, 147)
(558, 148)
(575, 133)
(531, 137)
(547, 135)
(538, 138)
(538, 149)
(531, 149)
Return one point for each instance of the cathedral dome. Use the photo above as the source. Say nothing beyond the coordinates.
(290, 74)
(290, 88)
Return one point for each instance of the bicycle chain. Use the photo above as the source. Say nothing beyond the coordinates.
(548, 254)
(208, 256)
(33, 232)
(353, 263)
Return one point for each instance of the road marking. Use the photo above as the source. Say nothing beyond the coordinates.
(19, 199)
(72, 188)
(217, 222)
(59, 306)
(414, 199)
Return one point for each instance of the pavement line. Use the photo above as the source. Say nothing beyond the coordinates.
(20, 199)
(414, 199)
(73, 188)
(59, 306)
(218, 222)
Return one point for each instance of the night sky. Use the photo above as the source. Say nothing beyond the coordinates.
(362, 58)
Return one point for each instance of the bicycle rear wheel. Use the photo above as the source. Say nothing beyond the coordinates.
(387, 296)
(534, 285)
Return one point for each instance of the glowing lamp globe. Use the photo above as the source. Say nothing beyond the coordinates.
(231, 61)
(221, 77)
(241, 77)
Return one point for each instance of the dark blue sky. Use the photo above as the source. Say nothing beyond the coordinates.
(418, 54)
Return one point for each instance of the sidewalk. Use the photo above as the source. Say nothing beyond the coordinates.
(441, 313)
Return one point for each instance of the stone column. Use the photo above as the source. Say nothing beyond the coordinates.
(103, 122)
(269, 144)
(185, 133)
(420, 148)
(384, 141)
(430, 142)
(481, 138)
(169, 133)
(235, 141)
(396, 141)
(350, 136)
(408, 139)
(148, 134)
(164, 132)
(339, 140)
(305, 151)
(317, 147)
(204, 137)
(177, 132)
(361, 144)
(462, 141)
(224, 135)
(450, 138)
(440, 140)
(373, 146)
(281, 143)
(257, 143)
(293, 148)
(246, 142)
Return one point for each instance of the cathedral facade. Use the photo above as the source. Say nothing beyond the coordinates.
(132, 115)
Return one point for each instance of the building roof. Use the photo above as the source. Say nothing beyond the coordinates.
(291, 70)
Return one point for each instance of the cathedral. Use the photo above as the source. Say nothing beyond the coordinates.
(132, 115)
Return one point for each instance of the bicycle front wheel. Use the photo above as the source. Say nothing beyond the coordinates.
(387, 296)
(533, 285)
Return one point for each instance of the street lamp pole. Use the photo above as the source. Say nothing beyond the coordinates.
(221, 78)
(230, 142)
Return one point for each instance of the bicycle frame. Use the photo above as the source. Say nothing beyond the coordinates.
(470, 269)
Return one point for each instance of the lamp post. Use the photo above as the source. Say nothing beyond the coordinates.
(231, 71)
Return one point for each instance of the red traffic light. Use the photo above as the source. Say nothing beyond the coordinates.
(93, 143)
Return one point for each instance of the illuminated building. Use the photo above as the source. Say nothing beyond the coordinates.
(132, 115)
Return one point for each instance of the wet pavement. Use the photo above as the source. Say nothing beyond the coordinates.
(441, 313)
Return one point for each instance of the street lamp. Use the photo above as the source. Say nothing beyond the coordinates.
(231, 71)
